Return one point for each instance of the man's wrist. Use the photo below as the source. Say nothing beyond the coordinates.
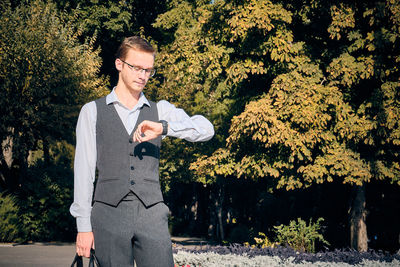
(164, 127)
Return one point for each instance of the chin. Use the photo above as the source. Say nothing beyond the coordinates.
(138, 86)
(137, 89)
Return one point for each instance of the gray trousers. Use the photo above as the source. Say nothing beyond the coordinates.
(131, 232)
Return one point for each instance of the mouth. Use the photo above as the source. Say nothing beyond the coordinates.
(141, 84)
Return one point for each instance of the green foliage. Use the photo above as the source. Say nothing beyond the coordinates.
(111, 21)
(95, 17)
(300, 236)
(217, 49)
(333, 113)
(40, 210)
(10, 226)
(300, 93)
(208, 169)
(46, 75)
(178, 168)
(342, 18)
(295, 122)
(44, 203)
(46, 195)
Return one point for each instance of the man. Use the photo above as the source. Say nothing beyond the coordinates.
(120, 136)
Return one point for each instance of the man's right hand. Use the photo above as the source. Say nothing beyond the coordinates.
(84, 242)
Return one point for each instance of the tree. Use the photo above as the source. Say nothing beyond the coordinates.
(111, 21)
(46, 75)
(217, 61)
(333, 115)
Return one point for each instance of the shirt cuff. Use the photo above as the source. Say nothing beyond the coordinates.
(83, 224)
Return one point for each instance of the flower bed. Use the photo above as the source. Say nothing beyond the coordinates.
(237, 255)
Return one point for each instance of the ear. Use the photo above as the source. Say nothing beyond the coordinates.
(118, 64)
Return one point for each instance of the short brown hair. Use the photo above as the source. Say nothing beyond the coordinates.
(134, 42)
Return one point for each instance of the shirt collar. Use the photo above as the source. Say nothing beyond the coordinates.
(113, 98)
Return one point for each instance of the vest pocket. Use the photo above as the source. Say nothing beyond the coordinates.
(107, 180)
(150, 181)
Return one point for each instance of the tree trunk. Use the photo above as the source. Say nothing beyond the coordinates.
(358, 216)
(217, 222)
(220, 223)
(219, 210)
(194, 209)
(5, 164)
(46, 152)
(7, 148)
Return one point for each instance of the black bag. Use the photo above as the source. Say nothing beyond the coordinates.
(93, 262)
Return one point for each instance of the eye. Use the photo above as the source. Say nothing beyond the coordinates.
(136, 68)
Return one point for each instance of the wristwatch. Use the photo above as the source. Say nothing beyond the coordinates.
(164, 127)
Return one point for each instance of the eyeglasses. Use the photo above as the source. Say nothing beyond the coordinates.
(148, 72)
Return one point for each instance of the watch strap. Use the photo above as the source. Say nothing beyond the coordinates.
(164, 126)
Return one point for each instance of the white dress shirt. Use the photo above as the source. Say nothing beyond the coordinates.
(194, 129)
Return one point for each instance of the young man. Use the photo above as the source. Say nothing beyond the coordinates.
(120, 136)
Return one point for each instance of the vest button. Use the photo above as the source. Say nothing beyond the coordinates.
(132, 168)
(131, 154)
(132, 182)
(130, 141)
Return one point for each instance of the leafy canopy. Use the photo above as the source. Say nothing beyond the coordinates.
(46, 75)
(332, 112)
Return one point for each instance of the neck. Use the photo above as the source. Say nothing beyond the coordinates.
(127, 97)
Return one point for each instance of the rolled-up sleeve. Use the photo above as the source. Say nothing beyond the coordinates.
(194, 129)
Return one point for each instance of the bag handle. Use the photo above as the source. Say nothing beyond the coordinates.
(93, 262)
(78, 261)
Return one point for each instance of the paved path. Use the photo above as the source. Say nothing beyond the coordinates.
(37, 254)
(60, 254)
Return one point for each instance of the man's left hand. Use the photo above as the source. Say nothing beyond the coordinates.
(147, 130)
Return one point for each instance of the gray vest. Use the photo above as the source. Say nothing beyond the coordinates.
(125, 166)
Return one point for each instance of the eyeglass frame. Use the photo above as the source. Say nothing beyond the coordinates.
(151, 72)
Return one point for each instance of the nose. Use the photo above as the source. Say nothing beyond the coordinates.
(142, 74)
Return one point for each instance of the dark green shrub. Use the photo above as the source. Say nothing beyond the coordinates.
(45, 198)
(300, 236)
(10, 229)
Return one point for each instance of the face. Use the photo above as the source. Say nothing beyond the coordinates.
(133, 80)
